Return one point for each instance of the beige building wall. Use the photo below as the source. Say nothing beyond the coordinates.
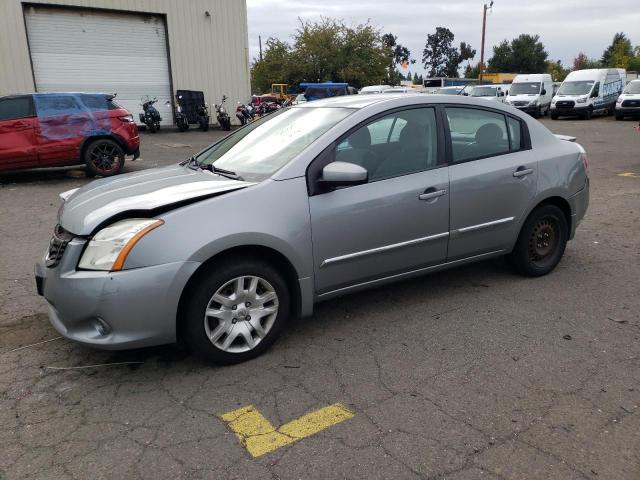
(208, 53)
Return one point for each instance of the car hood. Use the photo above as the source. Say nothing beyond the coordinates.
(140, 193)
(522, 98)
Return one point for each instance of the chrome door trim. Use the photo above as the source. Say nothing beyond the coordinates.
(399, 276)
(480, 226)
(385, 248)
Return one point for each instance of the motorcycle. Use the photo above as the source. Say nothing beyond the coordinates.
(223, 117)
(181, 118)
(150, 116)
(203, 116)
(245, 113)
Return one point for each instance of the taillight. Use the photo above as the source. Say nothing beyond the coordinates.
(126, 118)
(585, 161)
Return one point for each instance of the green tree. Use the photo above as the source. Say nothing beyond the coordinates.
(619, 53)
(322, 50)
(440, 58)
(472, 71)
(524, 54)
(398, 54)
(274, 67)
(557, 71)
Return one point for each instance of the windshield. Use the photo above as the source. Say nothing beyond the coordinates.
(261, 148)
(483, 92)
(525, 88)
(576, 88)
(448, 91)
(632, 87)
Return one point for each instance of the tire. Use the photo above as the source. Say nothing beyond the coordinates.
(103, 157)
(233, 326)
(157, 126)
(554, 116)
(152, 127)
(587, 115)
(541, 243)
(204, 125)
(619, 116)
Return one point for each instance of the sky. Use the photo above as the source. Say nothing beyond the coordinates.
(566, 27)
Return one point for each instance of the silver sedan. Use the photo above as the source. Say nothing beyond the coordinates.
(315, 201)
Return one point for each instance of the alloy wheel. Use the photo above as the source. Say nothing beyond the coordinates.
(106, 157)
(241, 313)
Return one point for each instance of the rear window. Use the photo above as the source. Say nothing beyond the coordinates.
(99, 102)
(19, 107)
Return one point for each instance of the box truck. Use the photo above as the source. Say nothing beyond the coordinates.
(587, 92)
(531, 93)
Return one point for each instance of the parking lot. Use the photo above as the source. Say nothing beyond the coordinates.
(467, 374)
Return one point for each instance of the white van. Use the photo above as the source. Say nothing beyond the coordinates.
(585, 92)
(373, 89)
(628, 104)
(531, 93)
(495, 92)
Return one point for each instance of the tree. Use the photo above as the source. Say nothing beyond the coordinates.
(472, 71)
(582, 62)
(557, 71)
(398, 55)
(440, 58)
(326, 49)
(524, 54)
(619, 53)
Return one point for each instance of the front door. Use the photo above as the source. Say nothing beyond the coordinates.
(493, 176)
(396, 222)
(17, 133)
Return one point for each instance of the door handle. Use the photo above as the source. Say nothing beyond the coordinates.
(522, 172)
(430, 194)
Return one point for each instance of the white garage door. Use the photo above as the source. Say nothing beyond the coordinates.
(89, 51)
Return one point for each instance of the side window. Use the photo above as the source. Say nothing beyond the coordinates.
(13, 108)
(397, 144)
(95, 103)
(476, 133)
(54, 105)
(515, 134)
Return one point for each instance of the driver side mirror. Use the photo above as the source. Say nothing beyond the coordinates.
(502, 94)
(543, 92)
(342, 174)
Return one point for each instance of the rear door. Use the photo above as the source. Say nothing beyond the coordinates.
(396, 222)
(493, 177)
(17, 133)
(63, 124)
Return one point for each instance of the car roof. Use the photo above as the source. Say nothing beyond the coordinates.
(363, 101)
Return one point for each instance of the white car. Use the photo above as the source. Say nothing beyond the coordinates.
(373, 89)
(531, 93)
(490, 92)
(628, 103)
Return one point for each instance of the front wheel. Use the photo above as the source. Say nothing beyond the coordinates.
(619, 116)
(541, 242)
(236, 310)
(588, 114)
(103, 157)
(554, 116)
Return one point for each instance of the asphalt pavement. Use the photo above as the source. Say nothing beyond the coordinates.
(473, 373)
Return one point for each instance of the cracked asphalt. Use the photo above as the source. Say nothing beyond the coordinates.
(474, 373)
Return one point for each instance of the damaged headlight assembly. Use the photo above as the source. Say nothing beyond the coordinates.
(108, 249)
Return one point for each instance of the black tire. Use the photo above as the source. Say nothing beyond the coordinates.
(204, 125)
(227, 125)
(587, 115)
(200, 295)
(152, 127)
(103, 157)
(554, 116)
(541, 243)
(157, 126)
(619, 116)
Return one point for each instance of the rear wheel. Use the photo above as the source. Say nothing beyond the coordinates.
(152, 127)
(104, 157)
(541, 242)
(236, 310)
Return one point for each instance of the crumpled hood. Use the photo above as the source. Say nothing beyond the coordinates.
(93, 204)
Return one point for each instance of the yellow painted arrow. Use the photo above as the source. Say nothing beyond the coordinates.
(258, 436)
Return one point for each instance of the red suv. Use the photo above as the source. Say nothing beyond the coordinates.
(57, 129)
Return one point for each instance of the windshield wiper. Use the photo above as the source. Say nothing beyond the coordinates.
(221, 172)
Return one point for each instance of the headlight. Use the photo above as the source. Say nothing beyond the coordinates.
(582, 100)
(108, 249)
(619, 100)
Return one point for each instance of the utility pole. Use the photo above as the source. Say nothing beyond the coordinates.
(484, 27)
(260, 42)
